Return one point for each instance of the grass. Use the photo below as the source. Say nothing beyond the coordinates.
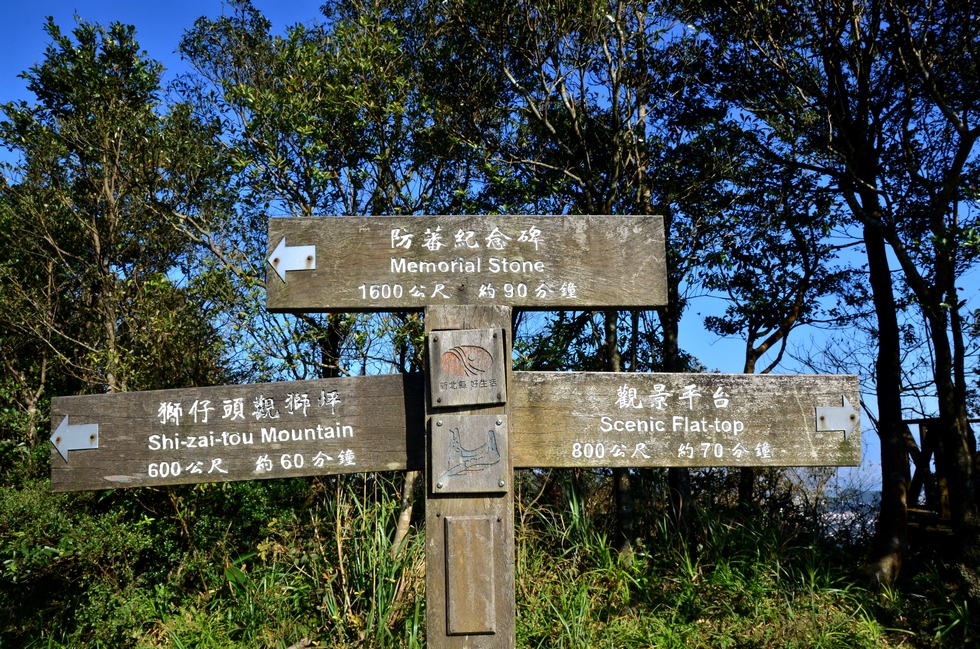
(269, 564)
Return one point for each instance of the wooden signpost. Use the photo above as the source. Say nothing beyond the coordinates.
(470, 420)
(239, 432)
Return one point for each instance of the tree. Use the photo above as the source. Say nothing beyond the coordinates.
(876, 98)
(596, 118)
(348, 117)
(777, 267)
(360, 115)
(92, 269)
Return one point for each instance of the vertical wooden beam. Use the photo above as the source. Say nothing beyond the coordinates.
(469, 537)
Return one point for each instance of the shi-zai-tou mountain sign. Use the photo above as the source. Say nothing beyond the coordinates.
(470, 419)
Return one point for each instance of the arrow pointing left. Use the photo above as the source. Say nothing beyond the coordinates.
(75, 438)
(285, 258)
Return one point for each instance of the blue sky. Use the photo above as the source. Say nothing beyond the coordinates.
(159, 26)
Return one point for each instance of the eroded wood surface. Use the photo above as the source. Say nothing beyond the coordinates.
(244, 432)
(447, 573)
(470, 575)
(408, 262)
(599, 419)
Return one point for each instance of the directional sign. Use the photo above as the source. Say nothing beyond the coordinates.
(601, 419)
(285, 258)
(67, 437)
(844, 418)
(406, 263)
(484, 419)
(242, 432)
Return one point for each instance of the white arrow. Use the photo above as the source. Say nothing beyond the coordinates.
(285, 258)
(844, 418)
(75, 438)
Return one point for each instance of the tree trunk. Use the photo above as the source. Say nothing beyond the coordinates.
(624, 514)
(746, 486)
(678, 478)
(330, 346)
(621, 476)
(891, 532)
(746, 475)
(405, 517)
(957, 446)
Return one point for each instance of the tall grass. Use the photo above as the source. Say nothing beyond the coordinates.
(273, 564)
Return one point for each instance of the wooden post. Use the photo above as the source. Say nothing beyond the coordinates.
(469, 553)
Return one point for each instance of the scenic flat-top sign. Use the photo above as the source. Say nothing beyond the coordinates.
(605, 419)
(410, 262)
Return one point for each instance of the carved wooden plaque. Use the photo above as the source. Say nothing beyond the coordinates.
(469, 453)
(240, 432)
(604, 419)
(467, 367)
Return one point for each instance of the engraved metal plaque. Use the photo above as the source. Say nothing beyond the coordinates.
(467, 367)
(469, 454)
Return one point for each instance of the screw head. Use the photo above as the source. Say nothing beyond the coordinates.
(435, 339)
(500, 422)
(438, 422)
(501, 483)
(438, 399)
(438, 485)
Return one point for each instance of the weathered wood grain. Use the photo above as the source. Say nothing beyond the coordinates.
(446, 573)
(364, 424)
(599, 419)
(538, 262)
(470, 575)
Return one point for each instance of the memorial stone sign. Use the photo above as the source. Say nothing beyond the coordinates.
(412, 262)
(470, 420)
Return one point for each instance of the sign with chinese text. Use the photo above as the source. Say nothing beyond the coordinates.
(484, 419)
(604, 419)
(392, 263)
(242, 432)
